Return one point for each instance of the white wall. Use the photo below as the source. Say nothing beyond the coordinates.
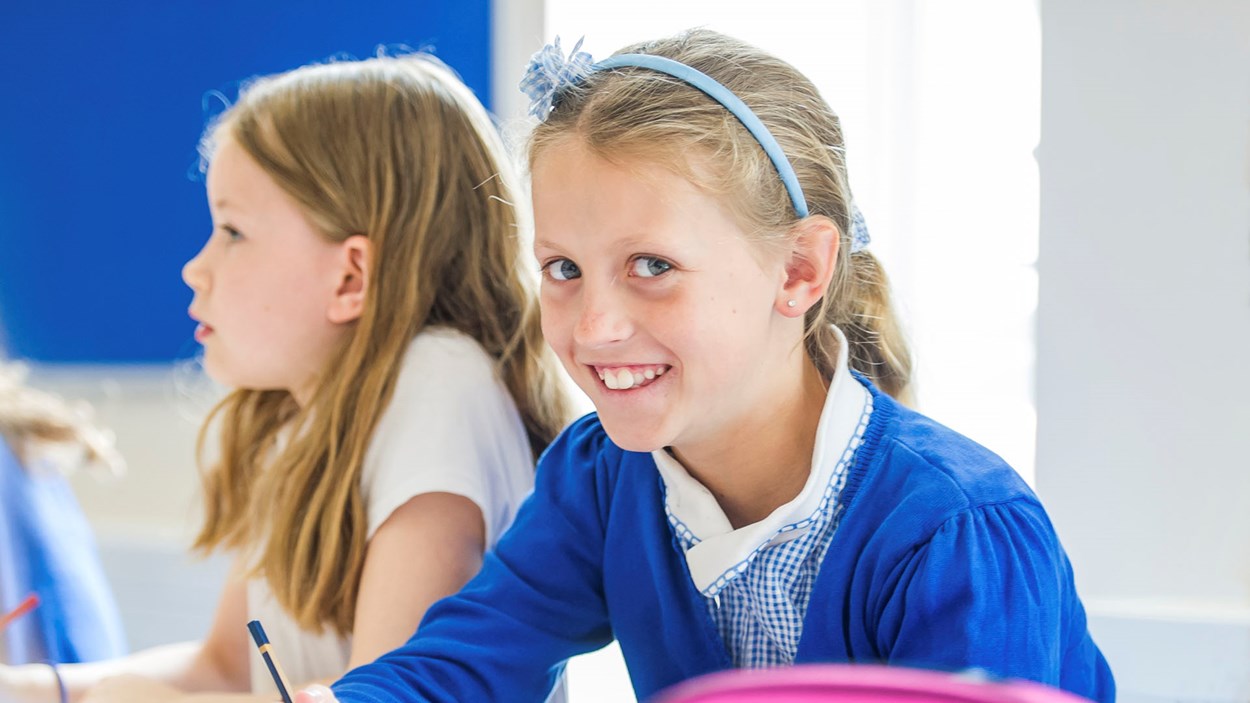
(517, 33)
(1144, 332)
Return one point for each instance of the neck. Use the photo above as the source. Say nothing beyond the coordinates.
(763, 460)
(303, 393)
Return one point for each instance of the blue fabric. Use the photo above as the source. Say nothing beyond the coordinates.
(549, 72)
(759, 612)
(46, 547)
(943, 559)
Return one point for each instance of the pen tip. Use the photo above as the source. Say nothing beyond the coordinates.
(258, 632)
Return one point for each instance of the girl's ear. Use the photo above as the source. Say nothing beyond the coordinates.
(353, 280)
(809, 266)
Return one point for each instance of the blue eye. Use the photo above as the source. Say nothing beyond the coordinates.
(233, 234)
(562, 270)
(649, 267)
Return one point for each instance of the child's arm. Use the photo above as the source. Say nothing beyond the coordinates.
(993, 590)
(222, 661)
(218, 663)
(427, 549)
(537, 601)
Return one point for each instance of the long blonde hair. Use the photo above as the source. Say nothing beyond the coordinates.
(397, 149)
(639, 113)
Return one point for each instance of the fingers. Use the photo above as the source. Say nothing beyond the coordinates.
(315, 694)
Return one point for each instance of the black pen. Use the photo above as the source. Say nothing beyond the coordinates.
(262, 643)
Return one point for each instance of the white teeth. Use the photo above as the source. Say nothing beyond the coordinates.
(623, 379)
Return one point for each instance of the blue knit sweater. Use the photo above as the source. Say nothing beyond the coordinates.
(46, 548)
(944, 559)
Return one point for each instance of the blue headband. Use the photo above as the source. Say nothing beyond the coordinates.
(549, 72)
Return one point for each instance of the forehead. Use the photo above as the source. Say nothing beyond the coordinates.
(574, 187)
(233, 174)
(240, 190)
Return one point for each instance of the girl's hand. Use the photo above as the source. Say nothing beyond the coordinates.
(129, 688)
(315, 694)
(27, 684)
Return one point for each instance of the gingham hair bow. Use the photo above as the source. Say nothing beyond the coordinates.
(549, 72)
(859, 230)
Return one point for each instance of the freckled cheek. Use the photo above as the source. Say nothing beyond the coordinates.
(557, 322)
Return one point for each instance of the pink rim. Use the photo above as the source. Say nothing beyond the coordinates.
(854, 682)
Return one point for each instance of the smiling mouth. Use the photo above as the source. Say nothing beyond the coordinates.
(624, 378)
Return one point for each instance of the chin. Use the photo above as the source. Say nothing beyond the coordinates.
(631, 438)
(219, 375)
(224, 375)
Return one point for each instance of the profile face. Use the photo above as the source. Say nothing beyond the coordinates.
(653, 299)
(262, 282)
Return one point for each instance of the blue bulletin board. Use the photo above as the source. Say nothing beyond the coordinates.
(101, 109)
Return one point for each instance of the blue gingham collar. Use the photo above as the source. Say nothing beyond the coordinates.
(716, 548)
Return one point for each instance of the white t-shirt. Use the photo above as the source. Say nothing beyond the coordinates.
(451, 427)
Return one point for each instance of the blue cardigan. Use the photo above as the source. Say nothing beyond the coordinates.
(944, 559)
(46, 547)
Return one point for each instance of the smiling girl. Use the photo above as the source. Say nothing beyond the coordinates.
(751, 492)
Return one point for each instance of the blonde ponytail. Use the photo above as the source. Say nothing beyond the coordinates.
(859, 303)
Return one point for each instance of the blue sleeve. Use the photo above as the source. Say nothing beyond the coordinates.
(47, 547)
(537, 601)
(993, 590)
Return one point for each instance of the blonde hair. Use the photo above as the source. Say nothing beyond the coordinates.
(31, 419)
(636, 113)
(399, 150)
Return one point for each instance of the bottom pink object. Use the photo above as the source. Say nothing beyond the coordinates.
(855, 683)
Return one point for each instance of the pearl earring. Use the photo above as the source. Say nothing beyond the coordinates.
(791, 303)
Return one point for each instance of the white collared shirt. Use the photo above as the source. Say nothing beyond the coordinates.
(758, 578)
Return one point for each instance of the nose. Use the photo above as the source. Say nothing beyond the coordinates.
(604, 318)
(195, 271)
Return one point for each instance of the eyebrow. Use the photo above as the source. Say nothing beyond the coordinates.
(546, 244)
(635, 242)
